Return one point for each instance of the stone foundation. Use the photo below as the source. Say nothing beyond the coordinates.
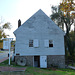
(56, 60)
(52, 60)
(29, 60)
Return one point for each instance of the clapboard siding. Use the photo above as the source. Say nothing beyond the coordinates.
(22, 45)
(40, 27)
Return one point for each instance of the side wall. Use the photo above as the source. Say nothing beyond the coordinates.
(22, 44)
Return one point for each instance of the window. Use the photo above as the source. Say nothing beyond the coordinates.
(50, 43)
(30, 43)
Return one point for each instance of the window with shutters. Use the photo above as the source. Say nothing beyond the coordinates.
(50, 43)
(30, 43)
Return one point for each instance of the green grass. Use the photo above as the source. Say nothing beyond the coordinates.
(72, 65)
(37, 71)
(6, 63)
(1, 51)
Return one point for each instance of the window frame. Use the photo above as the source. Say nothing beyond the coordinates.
(30, 43)
(50, 43)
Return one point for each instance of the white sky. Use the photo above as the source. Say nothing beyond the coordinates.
(13, 10)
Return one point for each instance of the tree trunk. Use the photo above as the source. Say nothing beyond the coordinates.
(74, 26)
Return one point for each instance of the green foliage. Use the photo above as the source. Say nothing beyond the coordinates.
(67, 6)
(57, 16)
(70, 46)
(1, 51)
(54, 16)
(5, 26)
(1, 44)
(2, 34)
(62, 15)
(72, 36)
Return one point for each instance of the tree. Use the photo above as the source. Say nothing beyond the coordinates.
(2, 28)
(57, 16)
(67, 6)
(63, 15)
(72, 36)
(72, 46)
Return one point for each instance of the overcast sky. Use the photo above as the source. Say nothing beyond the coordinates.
(12, 10)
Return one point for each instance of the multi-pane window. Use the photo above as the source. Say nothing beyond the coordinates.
(30, 43)
(50, 43)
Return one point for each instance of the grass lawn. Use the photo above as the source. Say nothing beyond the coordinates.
(72, 65)
(37, 71)
(1, 51)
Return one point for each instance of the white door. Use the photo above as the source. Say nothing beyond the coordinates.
(43, 61)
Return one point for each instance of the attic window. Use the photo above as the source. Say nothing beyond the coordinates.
(30, 43)
(50, 43)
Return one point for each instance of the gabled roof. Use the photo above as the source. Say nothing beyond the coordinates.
(40, 21)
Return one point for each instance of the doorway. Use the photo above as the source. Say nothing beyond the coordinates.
(36, 61)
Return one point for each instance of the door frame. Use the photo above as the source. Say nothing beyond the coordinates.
(39, 60)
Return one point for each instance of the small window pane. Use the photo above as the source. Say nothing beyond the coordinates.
(30, 43)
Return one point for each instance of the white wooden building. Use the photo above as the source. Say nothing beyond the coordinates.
(40, 42)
